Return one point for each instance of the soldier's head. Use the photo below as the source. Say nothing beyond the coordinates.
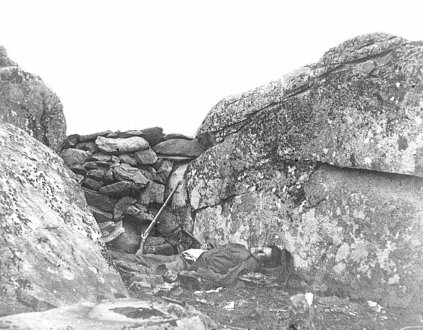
(268, 256)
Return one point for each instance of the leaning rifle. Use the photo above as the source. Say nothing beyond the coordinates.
(147, 231)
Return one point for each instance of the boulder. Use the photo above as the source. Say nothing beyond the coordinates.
(113, 315)
(327, 163)
(180, 147)
(26, 102)
(73, 157)
(359, 107)
(121, 146)
(51, 249)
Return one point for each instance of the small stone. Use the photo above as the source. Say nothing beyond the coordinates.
(127, 172)
(176, 136)
(101, 157)
(149, 172)
(99, 201)
(71, 141)
(180, 147)
(167, 223)
(146, 157)
(99, 215)
(130, 240)
(92, 165)
(117, 189)
(73, 157)
(109, 176)
(96, 174)
(127, 159)
(164, 170)
(139, 212)
(90, 137)
(121, 146)
(106, 226)
(158, 245)
(116, 233)
(78, 169)
(153, 193)
(153, 135)
(176, 158)
(121, 206)
(92, 184)
(87, 146)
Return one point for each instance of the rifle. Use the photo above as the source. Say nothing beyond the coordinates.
(147, 231)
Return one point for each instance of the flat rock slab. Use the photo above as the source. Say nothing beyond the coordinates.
(180, 147)
(50, 245)
(121, 145)
(113, 315)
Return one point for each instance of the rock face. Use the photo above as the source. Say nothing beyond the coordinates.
(26, 102)
(113, 315)
(316, 162)
(51, 249)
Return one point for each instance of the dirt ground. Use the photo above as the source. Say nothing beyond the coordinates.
(262, 305)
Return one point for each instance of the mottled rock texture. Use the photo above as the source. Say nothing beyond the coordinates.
(28, 103)
(50, 245)
(360, 106)
(326, 162)
(113, 315)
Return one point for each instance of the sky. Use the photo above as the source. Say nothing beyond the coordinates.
(133, 64)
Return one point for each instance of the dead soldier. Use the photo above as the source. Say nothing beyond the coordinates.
(218, 266)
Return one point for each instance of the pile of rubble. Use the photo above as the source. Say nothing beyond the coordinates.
(126, 176)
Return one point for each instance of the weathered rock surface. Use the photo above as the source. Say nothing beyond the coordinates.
(121, 145)
(127, 172)
(264, 180)
(153, 193)
(113, 315)
(180, 147)
(51, 249)
(359, 107)
(26, 102)
(146, 157)
(73, 157)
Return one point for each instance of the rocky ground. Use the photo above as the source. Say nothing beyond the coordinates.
(265, 304)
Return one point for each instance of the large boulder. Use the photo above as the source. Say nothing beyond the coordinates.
(28, 103)
(327, 163)
(51, 247)
(113, 315)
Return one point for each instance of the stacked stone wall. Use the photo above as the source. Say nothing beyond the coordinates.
(126, 177)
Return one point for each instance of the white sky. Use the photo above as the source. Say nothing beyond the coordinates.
(133, 64)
